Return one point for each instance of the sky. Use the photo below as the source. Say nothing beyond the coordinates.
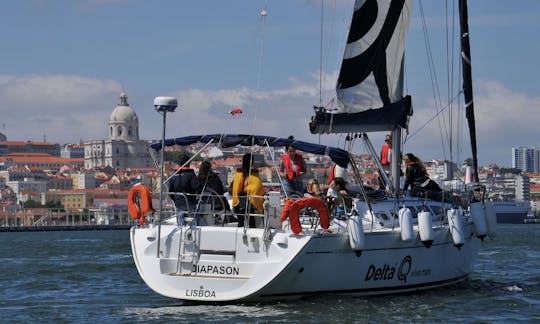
(63, 65)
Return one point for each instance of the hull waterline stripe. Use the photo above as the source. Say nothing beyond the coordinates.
(380, 289)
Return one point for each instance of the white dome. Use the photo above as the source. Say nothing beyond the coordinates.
(123, 114)
(123, 123)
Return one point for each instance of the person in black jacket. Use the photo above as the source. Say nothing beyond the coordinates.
(417, 178)
(183, 187)
(210, 182)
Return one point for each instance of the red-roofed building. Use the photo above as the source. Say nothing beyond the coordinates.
(9, 147)
(37, 161)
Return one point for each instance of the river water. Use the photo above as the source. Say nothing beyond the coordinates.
(89, 277)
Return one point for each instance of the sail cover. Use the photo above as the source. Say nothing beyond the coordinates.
(370, 83)
(339, 156)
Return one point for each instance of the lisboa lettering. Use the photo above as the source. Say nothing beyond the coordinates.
(387, 272)
(200, 293)
(216, 270)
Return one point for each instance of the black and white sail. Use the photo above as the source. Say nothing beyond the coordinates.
(370, 83)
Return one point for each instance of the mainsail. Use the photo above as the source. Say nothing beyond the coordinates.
(370, 83)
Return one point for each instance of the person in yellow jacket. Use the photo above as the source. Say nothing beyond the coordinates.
(247, 183)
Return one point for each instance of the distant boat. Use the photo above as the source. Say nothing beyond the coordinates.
(511, 211)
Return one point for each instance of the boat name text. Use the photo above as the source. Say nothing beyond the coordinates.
(387, 272)
(217, 270)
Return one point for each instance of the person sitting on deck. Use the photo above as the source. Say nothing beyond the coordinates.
(338, 196)
(313, 189)
(417, 178)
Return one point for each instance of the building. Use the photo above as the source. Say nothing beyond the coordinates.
(27, 185)
(440, 170)
(72, 151)
(523, 187)
(81, 198)
(526, 159)
(41, 161)
(9, 147)
(123, 149)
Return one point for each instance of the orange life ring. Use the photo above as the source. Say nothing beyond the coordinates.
(293, 207)
(139, 202)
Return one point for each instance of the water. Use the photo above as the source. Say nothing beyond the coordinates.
(89, 276)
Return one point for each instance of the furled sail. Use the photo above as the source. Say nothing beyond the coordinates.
(467, 81)
(370, 83)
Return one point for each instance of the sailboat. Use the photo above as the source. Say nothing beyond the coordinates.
(386, 242)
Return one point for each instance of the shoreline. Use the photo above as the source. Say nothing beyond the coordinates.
(51, 228)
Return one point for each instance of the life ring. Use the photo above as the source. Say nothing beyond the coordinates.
(293, 207)
(139, 202)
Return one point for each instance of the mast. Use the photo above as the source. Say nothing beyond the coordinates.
(467, 81)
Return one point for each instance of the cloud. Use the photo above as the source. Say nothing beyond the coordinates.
(504, 118)
(68, 108)
(60, 107)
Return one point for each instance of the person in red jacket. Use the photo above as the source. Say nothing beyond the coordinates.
(291, 171)
(386, 157)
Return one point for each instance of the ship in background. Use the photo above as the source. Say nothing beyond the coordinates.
(511, 211)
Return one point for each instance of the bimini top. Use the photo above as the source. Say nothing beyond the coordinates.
(339, 156)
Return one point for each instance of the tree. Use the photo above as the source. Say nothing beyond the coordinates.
(510, 170)
(54, 204)
(31, 204)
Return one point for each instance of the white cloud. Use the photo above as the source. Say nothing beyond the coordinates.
(70, 108)
(505, 118)
(63, 108)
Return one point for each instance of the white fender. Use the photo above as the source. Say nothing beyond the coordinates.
(491, 219)
(455, 222)
(406, 224)
(356, 233)
(479, 219)
(425, 226)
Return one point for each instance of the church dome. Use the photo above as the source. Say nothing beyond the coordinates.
(124, 123)
(123, 112)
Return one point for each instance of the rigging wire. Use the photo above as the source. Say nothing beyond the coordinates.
(433, 77)
(321, 57)
(262, 27)
(456, 97)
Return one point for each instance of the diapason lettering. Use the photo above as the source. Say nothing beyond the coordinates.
(216, 270)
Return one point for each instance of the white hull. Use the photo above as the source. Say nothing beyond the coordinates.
(228, 266)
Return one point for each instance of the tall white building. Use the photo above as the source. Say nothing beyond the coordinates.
(527, 159)
(123, 149)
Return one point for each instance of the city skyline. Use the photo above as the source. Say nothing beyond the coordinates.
(61, 72)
